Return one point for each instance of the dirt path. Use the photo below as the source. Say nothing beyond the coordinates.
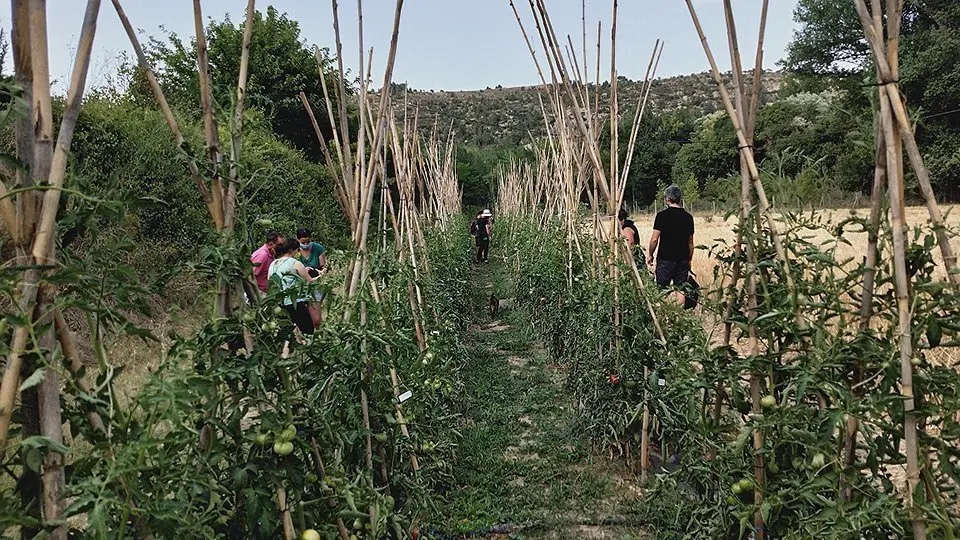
(524, 469)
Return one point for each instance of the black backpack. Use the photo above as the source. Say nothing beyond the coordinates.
(629, 224)
(479, 227)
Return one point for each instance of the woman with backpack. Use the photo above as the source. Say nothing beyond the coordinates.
(290, 276)
(480, 229)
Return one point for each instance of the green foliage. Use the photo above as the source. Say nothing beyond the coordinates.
(119, 143)
(829, 51)
(201, 450)
(830, 39)
(281, 66)
(478, 169)
(711, 153)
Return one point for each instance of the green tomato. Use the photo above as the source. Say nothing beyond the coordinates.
(312, 478)
(249, 317)
(278, 310)
(746, 484)
(289, 433)
(768, 402)
(357, 524)
(265, 327)
(283, 448)
(263, 438)
(736, 489)
(310, 534)
(818, 461)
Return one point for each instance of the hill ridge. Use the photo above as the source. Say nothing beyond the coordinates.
(508, 115)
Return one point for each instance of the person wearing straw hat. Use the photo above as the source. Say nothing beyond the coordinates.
(482, 229)
(673, 236)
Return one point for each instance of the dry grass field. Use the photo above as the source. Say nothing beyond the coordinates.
(713, 228)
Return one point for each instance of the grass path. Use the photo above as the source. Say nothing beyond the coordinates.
(524, 470)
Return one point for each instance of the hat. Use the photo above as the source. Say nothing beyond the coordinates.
(485, 213)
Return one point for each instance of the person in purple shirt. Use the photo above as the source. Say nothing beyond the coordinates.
(262, 258)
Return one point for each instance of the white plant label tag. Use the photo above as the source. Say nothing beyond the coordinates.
(404, 396)
(662, 382)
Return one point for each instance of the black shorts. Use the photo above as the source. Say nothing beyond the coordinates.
(300, 316)
(674, 273)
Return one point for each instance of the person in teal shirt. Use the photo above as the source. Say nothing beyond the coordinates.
(313, 256)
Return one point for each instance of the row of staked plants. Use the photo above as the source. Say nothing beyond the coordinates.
(817, 372)
(221, 440)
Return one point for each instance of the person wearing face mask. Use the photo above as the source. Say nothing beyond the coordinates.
(262, 258)
(314, 257)
(289, 276)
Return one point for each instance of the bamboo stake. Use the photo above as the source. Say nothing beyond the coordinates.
(215, 212)
(51, 427)
(236, 130)
(379, 135)
(347, 154)
(206, 106)
(746, 151)
(898, 224)
(27, 201)
(870, 264)
(887, 75)
(55, 169)
(755, 378)
(8, 214)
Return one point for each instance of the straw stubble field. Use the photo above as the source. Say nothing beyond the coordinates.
(714, 228)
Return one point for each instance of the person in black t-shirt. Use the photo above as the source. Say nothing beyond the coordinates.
(673, 234)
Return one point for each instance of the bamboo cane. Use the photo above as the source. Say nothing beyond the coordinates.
(215, 212)
(26, 201)
(206, 106)
(51, 427)
(869, 275)
(746, 151)
(905, 128)
(236, 130)
(55, 168)
(347, 153)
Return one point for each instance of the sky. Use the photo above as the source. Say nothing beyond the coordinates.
(444, 44)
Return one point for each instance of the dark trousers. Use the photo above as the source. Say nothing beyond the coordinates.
(300, 316)
(674, 273)
(483, 249)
